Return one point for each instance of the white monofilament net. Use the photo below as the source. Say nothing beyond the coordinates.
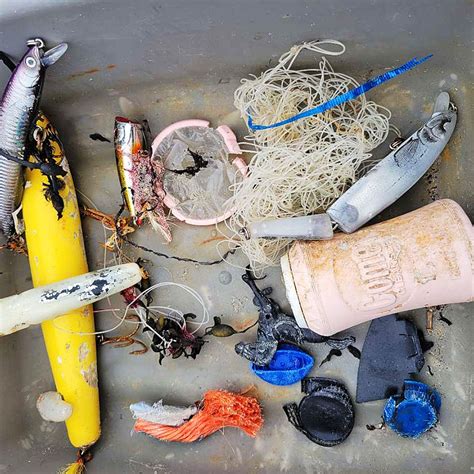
(302, 167)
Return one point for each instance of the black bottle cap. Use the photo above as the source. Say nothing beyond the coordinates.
(326, 414)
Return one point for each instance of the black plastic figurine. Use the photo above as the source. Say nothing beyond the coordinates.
(274, 326)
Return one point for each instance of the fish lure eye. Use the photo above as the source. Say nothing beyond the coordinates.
(31, 62)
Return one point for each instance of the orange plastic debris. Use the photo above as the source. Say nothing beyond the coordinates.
(220, 409)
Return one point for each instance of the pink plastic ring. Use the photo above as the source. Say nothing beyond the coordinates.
(230, 141)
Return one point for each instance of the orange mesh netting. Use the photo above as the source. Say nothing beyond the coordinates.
(220, 409)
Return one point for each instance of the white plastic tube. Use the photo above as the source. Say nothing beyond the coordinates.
(46, 302)
(315, 227)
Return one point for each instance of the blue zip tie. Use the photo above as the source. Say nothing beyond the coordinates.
(340, 99)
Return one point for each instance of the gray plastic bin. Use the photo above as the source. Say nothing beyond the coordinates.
(172, 60)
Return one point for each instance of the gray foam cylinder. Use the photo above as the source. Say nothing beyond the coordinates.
(46, 302)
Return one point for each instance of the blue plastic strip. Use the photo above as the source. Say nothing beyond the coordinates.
(340, 99)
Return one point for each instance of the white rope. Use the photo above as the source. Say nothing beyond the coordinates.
(303, 167)
(171, 313)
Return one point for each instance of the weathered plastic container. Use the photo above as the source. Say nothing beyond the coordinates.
(421, 259)
(172, 60)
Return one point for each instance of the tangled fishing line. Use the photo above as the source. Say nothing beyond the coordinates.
(144, 313)
(302, 167)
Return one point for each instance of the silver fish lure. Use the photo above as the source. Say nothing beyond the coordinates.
(397, 172)
(18, 107)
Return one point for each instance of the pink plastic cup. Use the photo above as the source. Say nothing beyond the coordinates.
(423, 258)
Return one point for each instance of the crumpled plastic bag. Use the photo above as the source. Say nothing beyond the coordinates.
(204, 194)
(164, 414)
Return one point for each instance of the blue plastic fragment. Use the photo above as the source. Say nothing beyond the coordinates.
(414, 412)
(340, 99)
(288, 366)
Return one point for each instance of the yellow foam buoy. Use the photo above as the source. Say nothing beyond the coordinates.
(56, 251)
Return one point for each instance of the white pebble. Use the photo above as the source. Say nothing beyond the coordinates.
(52, 407)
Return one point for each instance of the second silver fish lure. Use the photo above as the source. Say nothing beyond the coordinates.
(18, 107)
(397, 172)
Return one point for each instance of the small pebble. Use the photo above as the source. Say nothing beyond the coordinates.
(225, 277)
(52, 407)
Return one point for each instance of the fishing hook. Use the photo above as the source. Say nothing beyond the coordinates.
(126, 340)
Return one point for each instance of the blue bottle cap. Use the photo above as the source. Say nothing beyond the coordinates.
(414, 390)
(414, 412)
(288, 366)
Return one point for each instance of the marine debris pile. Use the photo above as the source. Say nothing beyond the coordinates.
(298, 193)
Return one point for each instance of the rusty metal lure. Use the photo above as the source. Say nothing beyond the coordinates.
(140, 175)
